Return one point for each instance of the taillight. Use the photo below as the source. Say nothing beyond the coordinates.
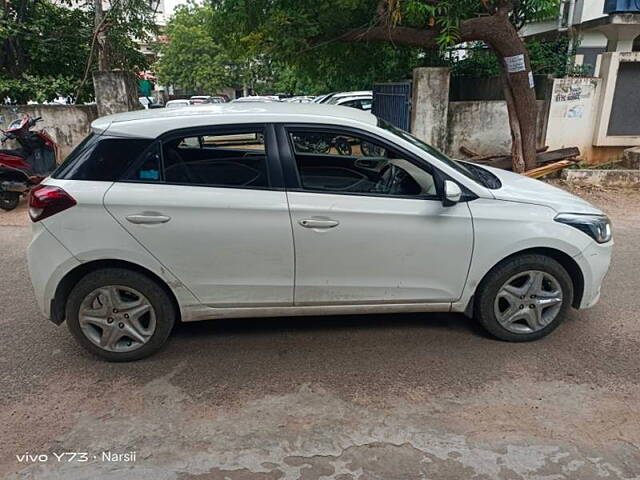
(47, 200)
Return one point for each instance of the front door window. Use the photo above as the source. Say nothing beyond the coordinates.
(346, 163)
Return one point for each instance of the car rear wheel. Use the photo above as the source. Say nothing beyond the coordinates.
(120, 315)
(524, 298)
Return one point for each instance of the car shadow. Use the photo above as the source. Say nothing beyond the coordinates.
(454, 322)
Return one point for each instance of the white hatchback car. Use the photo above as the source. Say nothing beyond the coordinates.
(278, 209)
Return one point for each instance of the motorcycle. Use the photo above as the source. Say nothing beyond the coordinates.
(24, 167)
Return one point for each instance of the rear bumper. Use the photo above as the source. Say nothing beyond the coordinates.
(48, 262)
(594, 262)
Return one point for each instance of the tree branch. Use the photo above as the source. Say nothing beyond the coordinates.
(473, 29)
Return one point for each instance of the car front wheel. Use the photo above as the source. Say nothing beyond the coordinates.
(120, 315)
(524, 298)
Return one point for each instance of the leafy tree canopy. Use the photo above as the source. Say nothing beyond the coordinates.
(295, 46)
(289, 28)
(45, 45)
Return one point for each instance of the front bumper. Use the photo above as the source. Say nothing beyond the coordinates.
(594, 262)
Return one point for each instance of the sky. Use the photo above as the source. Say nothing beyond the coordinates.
(170, 5)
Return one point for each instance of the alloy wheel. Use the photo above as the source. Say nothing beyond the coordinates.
(528, 302)
(117, 318)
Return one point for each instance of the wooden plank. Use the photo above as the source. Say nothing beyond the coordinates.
(547, 169)
(557, 155)
(471, 153)
(543, 158)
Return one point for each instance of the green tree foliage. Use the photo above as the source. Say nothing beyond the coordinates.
(230, 44)
(548, 57)
(192, 57)
(45, 45)
(296, 46)
(285, 28)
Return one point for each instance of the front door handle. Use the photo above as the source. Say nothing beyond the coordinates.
(319, 223)
(147, 218)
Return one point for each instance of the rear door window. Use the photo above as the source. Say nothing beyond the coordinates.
(234, 159)
(101, 158)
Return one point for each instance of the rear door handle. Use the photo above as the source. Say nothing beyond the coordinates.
(147, 218)
(319, 223)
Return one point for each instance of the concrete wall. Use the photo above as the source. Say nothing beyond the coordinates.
(569, 117)
(572, 114)
(588, 10)
(482, 126)
(67, 125)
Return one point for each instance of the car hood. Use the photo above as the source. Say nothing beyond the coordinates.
(518, 188)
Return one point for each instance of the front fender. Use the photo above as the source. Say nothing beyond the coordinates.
(503, 228)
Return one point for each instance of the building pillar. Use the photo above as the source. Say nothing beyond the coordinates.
(430, 105)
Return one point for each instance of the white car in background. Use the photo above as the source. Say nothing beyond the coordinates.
(256, 98)
(300, 99)
(177, 103)
(333, 96)
(276, 209)
(360, 102)
(323, 98)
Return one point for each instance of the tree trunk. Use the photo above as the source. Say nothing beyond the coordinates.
(518, 92)
(104, 55)
(498, 32)
(517, 154)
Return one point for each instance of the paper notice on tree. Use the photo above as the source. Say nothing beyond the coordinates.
(532, 83)
(515, 64)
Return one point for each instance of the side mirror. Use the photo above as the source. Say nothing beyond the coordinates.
(452, 193)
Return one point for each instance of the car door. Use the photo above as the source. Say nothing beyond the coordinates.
(210, 206)
(363, 237)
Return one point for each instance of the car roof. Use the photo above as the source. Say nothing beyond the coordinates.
(155, 122)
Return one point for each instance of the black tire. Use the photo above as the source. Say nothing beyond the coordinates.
(164, 310)
(492, 283)
(9, 200)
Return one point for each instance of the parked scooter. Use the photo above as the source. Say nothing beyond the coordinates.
(24, 167)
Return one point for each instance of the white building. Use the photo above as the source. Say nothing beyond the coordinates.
(599, 25)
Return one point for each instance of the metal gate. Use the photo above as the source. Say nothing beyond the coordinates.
(392, 102)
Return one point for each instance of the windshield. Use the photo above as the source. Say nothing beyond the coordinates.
(467, 170)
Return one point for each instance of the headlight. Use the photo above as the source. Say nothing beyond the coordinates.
(597, 227)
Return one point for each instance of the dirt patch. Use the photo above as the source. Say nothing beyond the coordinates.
(17, 217)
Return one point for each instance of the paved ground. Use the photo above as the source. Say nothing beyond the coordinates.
(382, 397)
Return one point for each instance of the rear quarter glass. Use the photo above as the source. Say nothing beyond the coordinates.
(101, 158)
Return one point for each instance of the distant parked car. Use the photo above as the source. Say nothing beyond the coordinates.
(178, 103)
(149, 102)
(277, 209)
(194, 99)
(256, 98)
(342, 95)
(362, 103)
(300, 99)
(323, 98)
(200, 99)
(333, 100)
